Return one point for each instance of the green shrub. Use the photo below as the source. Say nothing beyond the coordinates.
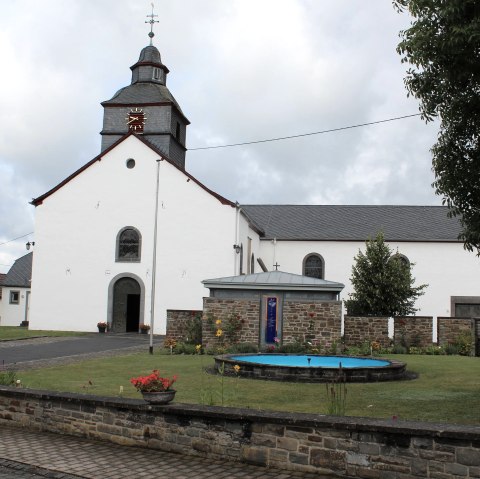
(8, 378)
(192, 330)
(243, 348)
(185, 348)
(464, 343)
(216, 350)
(335, 348)
(434, 350)
(415, 350)
(399, 349)
(451, 349)
(293, 348)
(364, 349)
(232, 326)
(383, 351)
(353, 351)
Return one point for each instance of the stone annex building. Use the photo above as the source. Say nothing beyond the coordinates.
(133, 221)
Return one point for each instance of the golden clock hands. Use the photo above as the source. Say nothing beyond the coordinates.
(133, 118)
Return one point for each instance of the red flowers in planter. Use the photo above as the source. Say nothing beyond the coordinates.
(153, 382)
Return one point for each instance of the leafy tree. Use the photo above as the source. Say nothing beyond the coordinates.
(383, 282)
(443, 48)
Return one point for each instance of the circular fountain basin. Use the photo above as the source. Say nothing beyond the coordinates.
(311, 367)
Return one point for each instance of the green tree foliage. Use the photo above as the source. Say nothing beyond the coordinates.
(382, 282)
(443, 48)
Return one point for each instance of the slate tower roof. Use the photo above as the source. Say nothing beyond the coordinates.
(164, 124)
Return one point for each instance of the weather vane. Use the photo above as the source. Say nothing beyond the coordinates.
(152, 22)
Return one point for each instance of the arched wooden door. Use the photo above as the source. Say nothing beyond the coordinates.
(126, 306)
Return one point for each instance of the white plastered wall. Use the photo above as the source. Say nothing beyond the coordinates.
(77, 226)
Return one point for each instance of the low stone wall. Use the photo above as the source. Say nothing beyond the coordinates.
(357, 447)
(358, 330)
(215, 309)
(318, 322)
(413, 331)
(179, 322)
(449, 329)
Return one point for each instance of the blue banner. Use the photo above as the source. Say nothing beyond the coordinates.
(271, 324)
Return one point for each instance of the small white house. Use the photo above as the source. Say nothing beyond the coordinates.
(15, 298)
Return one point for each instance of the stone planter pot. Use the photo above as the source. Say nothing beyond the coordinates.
(101, 330)
(160, 397)
(144, 331)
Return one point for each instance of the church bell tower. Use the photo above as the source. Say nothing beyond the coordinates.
(147, 108)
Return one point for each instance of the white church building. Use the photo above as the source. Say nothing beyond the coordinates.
(132, 230)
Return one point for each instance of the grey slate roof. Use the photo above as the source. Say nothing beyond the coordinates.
(141, 93)
(274, 280)
(20, 274)
(150, 54)
(353, 223)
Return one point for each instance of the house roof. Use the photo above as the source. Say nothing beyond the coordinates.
(2, 278)
(20, 274)
(353, 223)
(38, 201)
(273, 280)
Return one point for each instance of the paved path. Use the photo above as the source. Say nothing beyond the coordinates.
(42, 352)
(71, 457)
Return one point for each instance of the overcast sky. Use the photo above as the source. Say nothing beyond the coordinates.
(241, 70)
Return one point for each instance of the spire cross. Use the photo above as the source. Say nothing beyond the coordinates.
(152, 22)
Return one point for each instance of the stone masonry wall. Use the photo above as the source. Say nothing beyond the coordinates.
(448, 329)
(413, 331)
(221, 309)
(178, 322)
(357, 447)
(358, 330)
(318, 322)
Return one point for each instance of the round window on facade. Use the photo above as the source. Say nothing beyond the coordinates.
(130, 163)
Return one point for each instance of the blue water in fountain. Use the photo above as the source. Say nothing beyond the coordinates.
(302, 360)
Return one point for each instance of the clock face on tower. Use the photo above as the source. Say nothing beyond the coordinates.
(136, 120)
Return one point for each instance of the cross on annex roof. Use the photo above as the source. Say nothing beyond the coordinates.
(152, 22)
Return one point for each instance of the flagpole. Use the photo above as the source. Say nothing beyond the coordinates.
(154, 261)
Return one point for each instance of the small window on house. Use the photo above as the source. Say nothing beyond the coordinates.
(314, 266)
(14, 297)
(252, 264)
(156, 73)
(130, 163)
(129, 242)
(177, 131)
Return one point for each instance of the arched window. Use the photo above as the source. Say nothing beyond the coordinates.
(402, 258)
(314, 266)
(252, 264)
(129, 245)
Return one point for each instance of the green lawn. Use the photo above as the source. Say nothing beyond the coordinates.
(447, 390)
(15, 332)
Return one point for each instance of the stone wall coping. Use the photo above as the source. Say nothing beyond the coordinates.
(413, 428)
(455, 317)
(413, 317)
(184, 310)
